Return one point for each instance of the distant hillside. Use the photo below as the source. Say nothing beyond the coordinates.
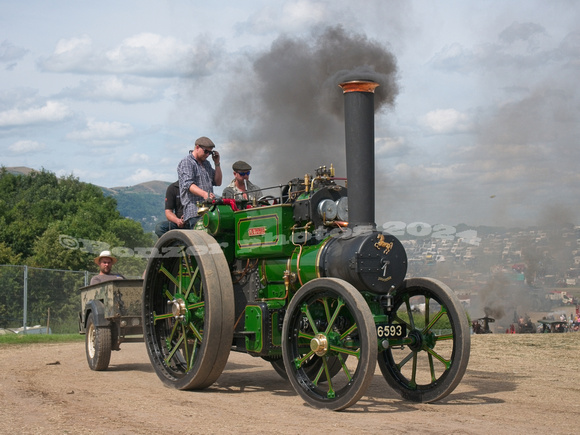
(19, 170)
(154, 187)
(143, 202)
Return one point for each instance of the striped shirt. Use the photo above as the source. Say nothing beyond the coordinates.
(190, 171)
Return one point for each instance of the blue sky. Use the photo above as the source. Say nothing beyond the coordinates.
(483, 128)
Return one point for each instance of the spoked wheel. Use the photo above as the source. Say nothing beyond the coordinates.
(98, 345)
(429, 362)
(329, 320)
(188, 309)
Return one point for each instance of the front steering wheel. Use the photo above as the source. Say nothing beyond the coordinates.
(265, 200)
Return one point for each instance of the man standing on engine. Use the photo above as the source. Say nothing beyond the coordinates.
(197, 178)
(241, 188)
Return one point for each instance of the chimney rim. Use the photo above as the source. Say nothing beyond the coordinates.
(359, 86)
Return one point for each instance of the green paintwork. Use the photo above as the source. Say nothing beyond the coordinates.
(219, 219)
(263, 232)
(254, 323)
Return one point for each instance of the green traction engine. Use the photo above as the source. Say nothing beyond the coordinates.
(305, 281)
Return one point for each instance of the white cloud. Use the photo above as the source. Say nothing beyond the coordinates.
(146, 54)
(142, 175)
(26, 146)
(443, 121)
(10, 52)
(113, 89)
(390, 146)
(102, 133)
(138, 158)
(52, 111)
(293, 16)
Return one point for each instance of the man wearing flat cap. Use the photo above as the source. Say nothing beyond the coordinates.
(197, 178)
(241, 188)
(105, 262)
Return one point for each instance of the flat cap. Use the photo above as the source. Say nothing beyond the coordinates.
(241, 166)
(204, 142)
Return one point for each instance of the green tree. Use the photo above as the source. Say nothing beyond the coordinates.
(59, 223)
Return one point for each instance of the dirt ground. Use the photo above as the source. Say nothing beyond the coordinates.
(514, 384)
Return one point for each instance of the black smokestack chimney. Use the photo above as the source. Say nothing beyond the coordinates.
(360, 152)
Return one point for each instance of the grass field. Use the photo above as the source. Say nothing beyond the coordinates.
(39, 338)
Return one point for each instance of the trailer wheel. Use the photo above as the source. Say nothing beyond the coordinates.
(98, 344)
(328, 320)
(188, 309)
(430, 361)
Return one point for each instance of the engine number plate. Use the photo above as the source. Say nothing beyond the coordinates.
(391, 330)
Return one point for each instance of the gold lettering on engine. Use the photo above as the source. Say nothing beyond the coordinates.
(382, 244)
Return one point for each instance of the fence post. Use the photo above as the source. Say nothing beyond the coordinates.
(25, 313)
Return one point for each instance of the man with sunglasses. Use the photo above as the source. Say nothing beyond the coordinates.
(197, 178)
(241, 188)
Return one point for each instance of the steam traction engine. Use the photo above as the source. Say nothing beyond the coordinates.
(308, 283)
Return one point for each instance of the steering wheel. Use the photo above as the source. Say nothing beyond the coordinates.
(265, 200)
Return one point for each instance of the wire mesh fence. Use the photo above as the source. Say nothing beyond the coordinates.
(37, 300)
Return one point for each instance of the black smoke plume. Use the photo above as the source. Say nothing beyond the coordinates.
(284, 111)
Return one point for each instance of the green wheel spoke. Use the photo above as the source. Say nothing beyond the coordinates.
(432, 368)
(405, 360)
(446, 362)
(169, 275)
(408, 324)
(186, 261)
(330, 393)
(193, 352)
(435, 319)
(320, 371)
(345, 351)
(183, 339)
(349, 331)
(302, 334)
(413, 382)
(409, 312)
(196, 332)
(341, 304)
(191, 286)
(326, 309)
(173, 331)
(306, 310)
(173, 350)
(196, 305)
(161, 317)
(344, 367)
(299, 361)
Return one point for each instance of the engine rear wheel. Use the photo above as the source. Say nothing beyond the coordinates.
(329, 320)
(98, 345)
(430, 361)
(188, 309)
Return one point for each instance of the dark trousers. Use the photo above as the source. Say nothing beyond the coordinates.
(164, 226)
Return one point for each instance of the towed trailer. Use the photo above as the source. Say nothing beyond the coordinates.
(110, 314)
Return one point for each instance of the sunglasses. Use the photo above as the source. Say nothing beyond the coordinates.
(205, 150)
(244, 173)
